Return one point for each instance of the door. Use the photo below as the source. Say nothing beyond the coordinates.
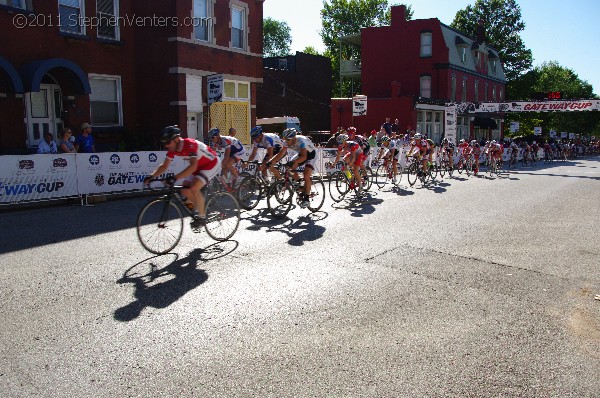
(192, 126)
(44, 110)
(236, 114)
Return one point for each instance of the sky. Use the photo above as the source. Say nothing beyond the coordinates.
(555, 30)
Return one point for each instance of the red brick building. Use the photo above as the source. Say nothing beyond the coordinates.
(410, 69)
(128, 67)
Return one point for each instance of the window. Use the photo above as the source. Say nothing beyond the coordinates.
(485, 92)
(70, 13)
(238, 22)
(462, 128)
(494, 93)
(494, 67)
(476, 90)
(477, 59)
(453, 94)
(463, 54)
(14, 3)
(464, 90)
(501, 96)
(426, 86)
(108, 14)
(425, 44)
(236, 90)
(105, 100)
(430, 123)
(202, 20)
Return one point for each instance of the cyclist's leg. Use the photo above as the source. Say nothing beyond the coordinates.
(200, 179)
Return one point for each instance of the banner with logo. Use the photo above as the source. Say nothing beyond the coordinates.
(214, 84)
(450, 126)
(119, 171)
(359, 105)
(35, 177)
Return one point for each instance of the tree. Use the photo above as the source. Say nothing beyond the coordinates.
(311, 50)
(550, 76)
(502, 23)
(347, 17)
(277, 38)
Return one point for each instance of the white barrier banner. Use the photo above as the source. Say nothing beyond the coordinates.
(34, 177)
(120, 171)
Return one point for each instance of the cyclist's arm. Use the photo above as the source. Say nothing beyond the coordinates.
(253, 154)
(189, 170)
(302, 156)
(279, 156)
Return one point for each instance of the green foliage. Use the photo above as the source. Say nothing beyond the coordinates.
(502, 23)
(311, 50)
(347, 17)
(277, 38)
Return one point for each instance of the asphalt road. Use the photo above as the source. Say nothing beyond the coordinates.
(474, 287)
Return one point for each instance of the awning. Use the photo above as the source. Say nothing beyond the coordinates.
(13, 75)
(485, 122)
(353, 40)
(33, 73)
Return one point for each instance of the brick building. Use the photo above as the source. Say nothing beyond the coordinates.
(128, 67)
(410, 69)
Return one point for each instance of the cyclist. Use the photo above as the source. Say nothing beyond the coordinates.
(234, 151)
(419, 149)
(393, 152)
(447, 149)
(273, 146)
(514, 151)
(353, 157)
(431, 146)
(362, 141)
(496, 151)
(476, 151)
(465, 150)
(306, 156)
(204, 165)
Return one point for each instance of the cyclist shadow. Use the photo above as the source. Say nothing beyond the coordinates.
(358, 207)
(401, 191)
(303, 229)
(262, 219)
(160, 281)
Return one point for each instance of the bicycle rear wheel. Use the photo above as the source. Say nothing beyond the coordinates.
(249, 193)
(279, 199)
(381, 176)
(366, 179)
(316, 197)
(222, 216)
(442, 169)
(413, 173)
(338, 186)
(160, 226)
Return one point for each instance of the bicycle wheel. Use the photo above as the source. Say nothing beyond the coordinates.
(468, 166)
(413, 173)
(160, 226)
(338, 186)
(381, 176)
(279, 199)
(442, 169)
(222, 216)
(400, 171)
(433, 171)
(461, 166)
(316, 197)
(366, 180)
(249, 193)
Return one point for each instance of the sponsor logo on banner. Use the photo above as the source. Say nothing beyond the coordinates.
(26, 164)
(215, 88)
(99, 179)
(30, 188)
(359, 105)
(115, 162)
(125, 178)
(329, 153)
(134, 160)
(59, 163)
(94, 161)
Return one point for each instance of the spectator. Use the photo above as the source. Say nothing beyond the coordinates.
(373, 139)
(84, 143)
(47, 145)
(396, 127)
(65, 145)
(387, 126)
(232, 132)
(380, 134)
(332, 141)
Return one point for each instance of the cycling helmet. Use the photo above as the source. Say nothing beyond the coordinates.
(288, 134)
(385, 138)
(462, 141)
(352, 130)
(473, 142)
(169, 133)
(493, 142)
(417, 136)
(342, 138)
(214, 132)
(256, 131)
(445, 141)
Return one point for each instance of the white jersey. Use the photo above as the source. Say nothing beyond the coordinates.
(302, 142)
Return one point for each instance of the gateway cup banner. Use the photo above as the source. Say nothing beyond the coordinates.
(35, 177)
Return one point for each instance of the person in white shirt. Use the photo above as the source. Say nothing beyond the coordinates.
(47, 145)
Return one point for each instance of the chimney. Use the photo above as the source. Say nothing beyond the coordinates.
(398, 15)
(480, 32)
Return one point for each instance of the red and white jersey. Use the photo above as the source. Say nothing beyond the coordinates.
(190, 148)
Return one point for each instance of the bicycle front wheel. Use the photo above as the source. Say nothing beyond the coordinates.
(222, 216)
(413, 173)
(279, 199)
(160, 226)
(249, 193)
(338, 186)
(381, 176)
(316, 197)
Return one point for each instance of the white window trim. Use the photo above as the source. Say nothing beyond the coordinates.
(210, 14)
(423, 79)
(237, 98)
(81, 14)
(117, 26)
(246, 11)
(119, 96)
(464, 89)
(430, 46)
